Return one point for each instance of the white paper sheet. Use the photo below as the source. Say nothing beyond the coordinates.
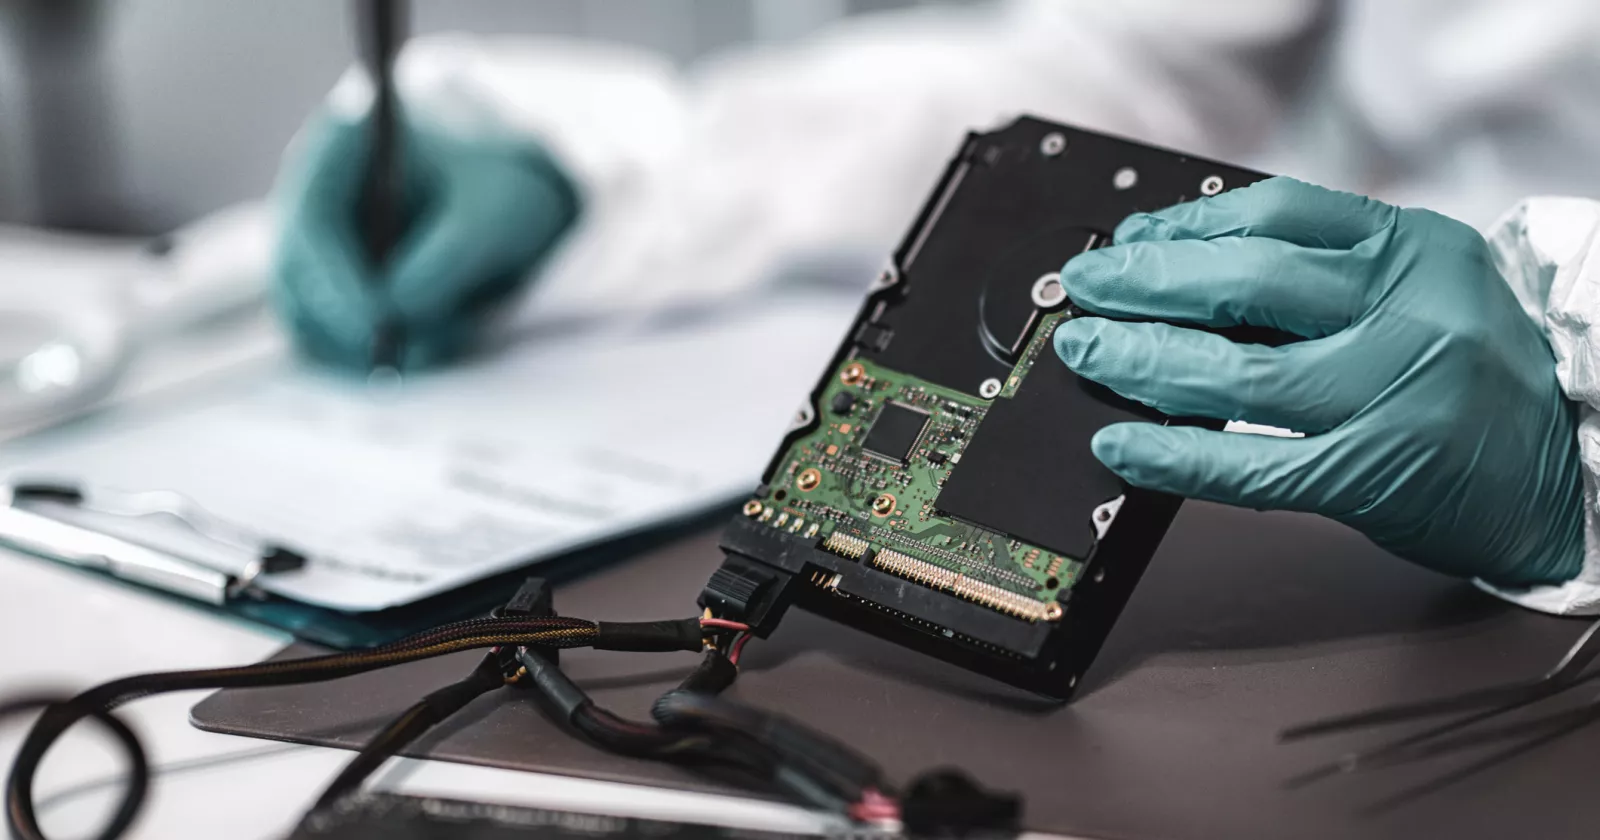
(399, 493)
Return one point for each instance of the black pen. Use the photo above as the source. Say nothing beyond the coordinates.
(381, 28)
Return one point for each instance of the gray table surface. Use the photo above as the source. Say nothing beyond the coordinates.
(1245, 623)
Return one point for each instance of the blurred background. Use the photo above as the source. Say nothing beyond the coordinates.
(135, 116)
(191, 300)
(697, 150)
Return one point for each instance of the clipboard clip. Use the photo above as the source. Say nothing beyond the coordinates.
(186, 576)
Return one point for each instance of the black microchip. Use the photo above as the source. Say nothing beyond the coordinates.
(937, 458)
(895, 433)
(843, 402)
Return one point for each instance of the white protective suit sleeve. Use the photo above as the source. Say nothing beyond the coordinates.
(1548, 249)
(810, 158)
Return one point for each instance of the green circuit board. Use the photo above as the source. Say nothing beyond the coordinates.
(864, 481)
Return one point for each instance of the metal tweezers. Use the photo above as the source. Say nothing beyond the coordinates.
(1473, 708)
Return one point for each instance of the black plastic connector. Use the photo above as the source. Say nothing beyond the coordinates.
(275, 559)
(733, 590)
(751, 592)
(948, 802)
(535, 598)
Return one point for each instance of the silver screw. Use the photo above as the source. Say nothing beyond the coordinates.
(1053, 144)
(1047, 291)
(989, 389)
(1125, 178)
(1211, 185)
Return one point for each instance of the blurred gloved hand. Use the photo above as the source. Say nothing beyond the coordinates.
(1434, 422)
(479, 215)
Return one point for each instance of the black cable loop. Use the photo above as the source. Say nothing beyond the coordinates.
(138, 771)
(59, 715)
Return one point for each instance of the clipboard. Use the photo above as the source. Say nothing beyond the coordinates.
(407, 502)
(336, 629)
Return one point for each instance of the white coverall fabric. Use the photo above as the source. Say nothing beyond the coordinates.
(1548, 249)
(808, 159)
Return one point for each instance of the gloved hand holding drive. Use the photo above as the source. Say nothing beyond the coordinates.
(480, 213)
(1434, 422)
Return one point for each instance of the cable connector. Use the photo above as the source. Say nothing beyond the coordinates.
(742, 591)
(535, 598)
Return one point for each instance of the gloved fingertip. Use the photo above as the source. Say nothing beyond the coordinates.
(1137, 452)
(1109, 446)
(312, 341)
(1085, 274)
(325, 165)
(438, 345)
(1075, 341)
(1141, 227)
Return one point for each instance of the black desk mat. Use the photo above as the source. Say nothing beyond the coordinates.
(1245, 623)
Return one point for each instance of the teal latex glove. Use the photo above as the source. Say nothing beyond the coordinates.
(480, 213)
(1434, 423)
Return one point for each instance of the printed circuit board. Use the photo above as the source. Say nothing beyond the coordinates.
(866, 483)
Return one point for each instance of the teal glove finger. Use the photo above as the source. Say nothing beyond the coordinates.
(1223, 282)
(322, 287)
(492, 213)
(1190, 373)
(1435, 422)
(320, 284)
(1277, 208)
(481, 213)
(1255, 471)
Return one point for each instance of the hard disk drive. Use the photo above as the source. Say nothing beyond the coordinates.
(937, 487)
